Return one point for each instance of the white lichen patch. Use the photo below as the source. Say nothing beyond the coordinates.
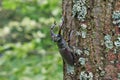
(115, 51)
(118, 76)
(82, 61)
(117, 42)
(116, 18)
(83, 30)
(78, 51)
(83, 34)
(118, 37)
(84, 26)
(107, 37)
(70, 69)
(86, 51)
(79, 9)
(84, 75)
(108, 42)
(102, 73)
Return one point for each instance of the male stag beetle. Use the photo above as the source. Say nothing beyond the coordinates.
(64, 49)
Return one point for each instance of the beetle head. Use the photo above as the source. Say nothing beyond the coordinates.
(55, 37)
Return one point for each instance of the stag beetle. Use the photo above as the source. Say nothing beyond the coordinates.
(64, 49)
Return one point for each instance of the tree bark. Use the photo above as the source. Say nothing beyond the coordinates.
(97, 57)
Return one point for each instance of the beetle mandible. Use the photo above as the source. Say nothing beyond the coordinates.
(64, 49)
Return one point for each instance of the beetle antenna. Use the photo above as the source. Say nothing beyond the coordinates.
(52, 27)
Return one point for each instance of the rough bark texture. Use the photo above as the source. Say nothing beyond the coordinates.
(101, 61)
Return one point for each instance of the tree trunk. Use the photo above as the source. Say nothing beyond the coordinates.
(94, 34)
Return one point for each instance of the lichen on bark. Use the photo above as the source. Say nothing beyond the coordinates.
(91, 56)
(79, 9)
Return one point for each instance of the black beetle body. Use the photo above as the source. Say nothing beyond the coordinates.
(65, 51)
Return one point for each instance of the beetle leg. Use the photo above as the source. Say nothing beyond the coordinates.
(61, 26)
(69, 36)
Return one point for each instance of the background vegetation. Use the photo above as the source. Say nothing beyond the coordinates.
(26, 49)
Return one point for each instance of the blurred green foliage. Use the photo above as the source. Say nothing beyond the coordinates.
(26, 49)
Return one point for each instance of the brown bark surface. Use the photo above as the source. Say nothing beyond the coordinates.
(103, 63)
